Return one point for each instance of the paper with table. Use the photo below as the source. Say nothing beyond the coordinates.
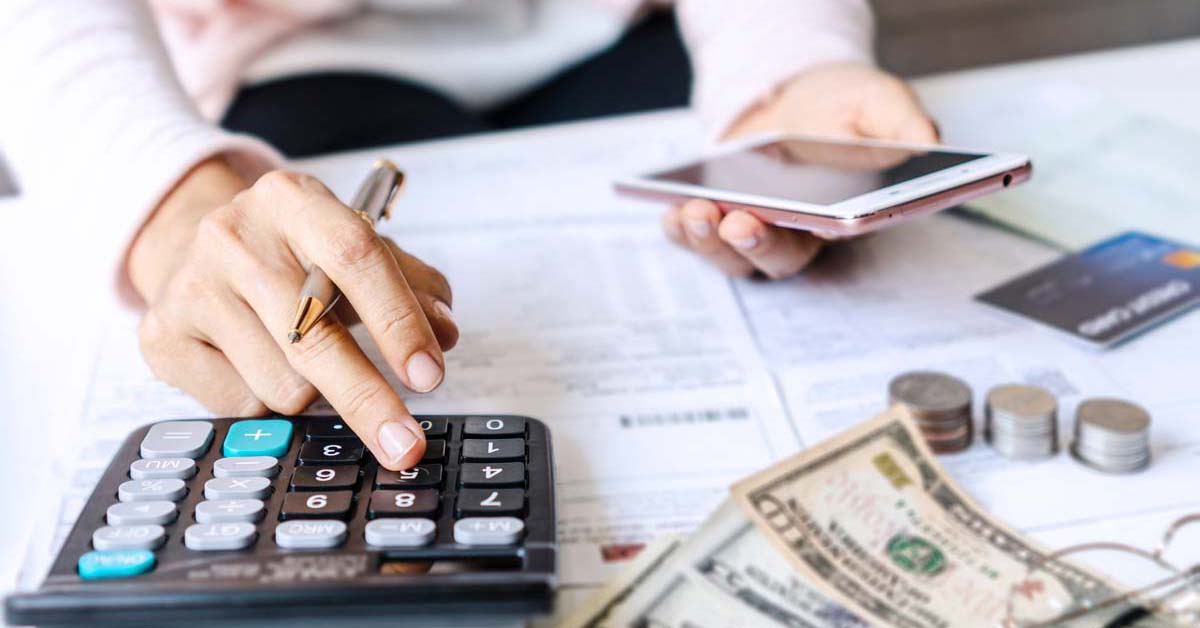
(663, 382)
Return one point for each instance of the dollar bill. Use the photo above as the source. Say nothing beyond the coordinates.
(727, 575)
(872, 521)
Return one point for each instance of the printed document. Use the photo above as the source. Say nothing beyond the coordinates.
(663, 382)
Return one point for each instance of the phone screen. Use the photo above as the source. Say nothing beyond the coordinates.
(816, 172)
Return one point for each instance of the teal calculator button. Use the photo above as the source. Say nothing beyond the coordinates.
(259, 437)
(115, 564)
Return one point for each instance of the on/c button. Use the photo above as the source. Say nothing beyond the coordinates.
(258, 437)
(115, 564)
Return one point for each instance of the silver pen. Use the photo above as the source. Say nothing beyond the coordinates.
(372, 203)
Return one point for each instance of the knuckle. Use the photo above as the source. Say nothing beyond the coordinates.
(397, 318)
(361, 396)
(154, 335)
(320, 339)
(356, 245)
(292, 395)
(222, 226)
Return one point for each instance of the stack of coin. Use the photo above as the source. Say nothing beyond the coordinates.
(1022, 421)
(941, 406)
(1112, 435)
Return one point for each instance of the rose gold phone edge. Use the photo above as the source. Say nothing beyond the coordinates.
(846, 227)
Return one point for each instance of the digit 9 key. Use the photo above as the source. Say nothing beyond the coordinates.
(287, 519)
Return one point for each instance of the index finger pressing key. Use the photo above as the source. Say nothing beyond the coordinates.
(355, 258)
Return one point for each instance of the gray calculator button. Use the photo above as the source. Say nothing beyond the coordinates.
(248, 467)
(237, 488)
(145, 537)
(140, 513)
(166, 489)
(159, 468)
(488, 530)
(177, 439)
(229, 510)
(400, 532)
(310, 534)
(219, 536)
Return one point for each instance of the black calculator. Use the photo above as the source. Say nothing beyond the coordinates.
(289, 520)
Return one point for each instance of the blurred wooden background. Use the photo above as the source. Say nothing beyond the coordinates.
(924, 36)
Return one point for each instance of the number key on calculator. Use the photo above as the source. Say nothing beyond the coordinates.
(285, 519)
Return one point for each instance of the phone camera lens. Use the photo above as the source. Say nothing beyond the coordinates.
(1007, 180)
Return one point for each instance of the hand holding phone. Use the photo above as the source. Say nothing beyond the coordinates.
(840, 187)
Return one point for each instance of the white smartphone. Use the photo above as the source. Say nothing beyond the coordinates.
(841, 187)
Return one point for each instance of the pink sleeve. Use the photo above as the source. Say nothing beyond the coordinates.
(745, 49)
(94, 122)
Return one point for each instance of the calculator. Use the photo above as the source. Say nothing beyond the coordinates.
(290, 520)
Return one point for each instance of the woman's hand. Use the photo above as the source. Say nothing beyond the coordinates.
(838, 100)
(221, 266)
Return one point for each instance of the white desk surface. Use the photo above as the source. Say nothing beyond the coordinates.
(45, 349)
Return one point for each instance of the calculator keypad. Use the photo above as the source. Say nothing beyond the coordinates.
(310, 484)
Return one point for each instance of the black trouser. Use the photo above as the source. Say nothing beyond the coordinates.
(320, 113)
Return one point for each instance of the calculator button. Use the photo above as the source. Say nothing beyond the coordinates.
(168, 489)
(492, 474)
(325, 505)
(99, 565)
(494, 426)
(258, 437)
(230, 510)
(237, 488)
(421, 502)
(488, 530)
(140, 513)
(482, 501)
(219, 536)
(323, 429)
(315, 534)
(420, 476)
(337, 452)
(145, 537)
(248, 467)
(159, 468)
(323, 478)
(497, 449)
(435, 451)
(434, 428)
(177, 439)
(400, 532)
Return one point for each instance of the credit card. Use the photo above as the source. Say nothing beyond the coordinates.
(1109, 292)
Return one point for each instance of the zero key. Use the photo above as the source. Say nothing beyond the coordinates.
(494, 426)
(484, 450)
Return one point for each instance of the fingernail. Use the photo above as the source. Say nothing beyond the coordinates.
(424, 373)
(746, 243)
(699, 228)
(396, 439)
(443, 310)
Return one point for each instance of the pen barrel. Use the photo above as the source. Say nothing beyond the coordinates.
(321, 288)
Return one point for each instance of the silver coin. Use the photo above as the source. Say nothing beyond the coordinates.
(1021, 421)
(1112, 435)
(931, 395)
(1113, 415)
